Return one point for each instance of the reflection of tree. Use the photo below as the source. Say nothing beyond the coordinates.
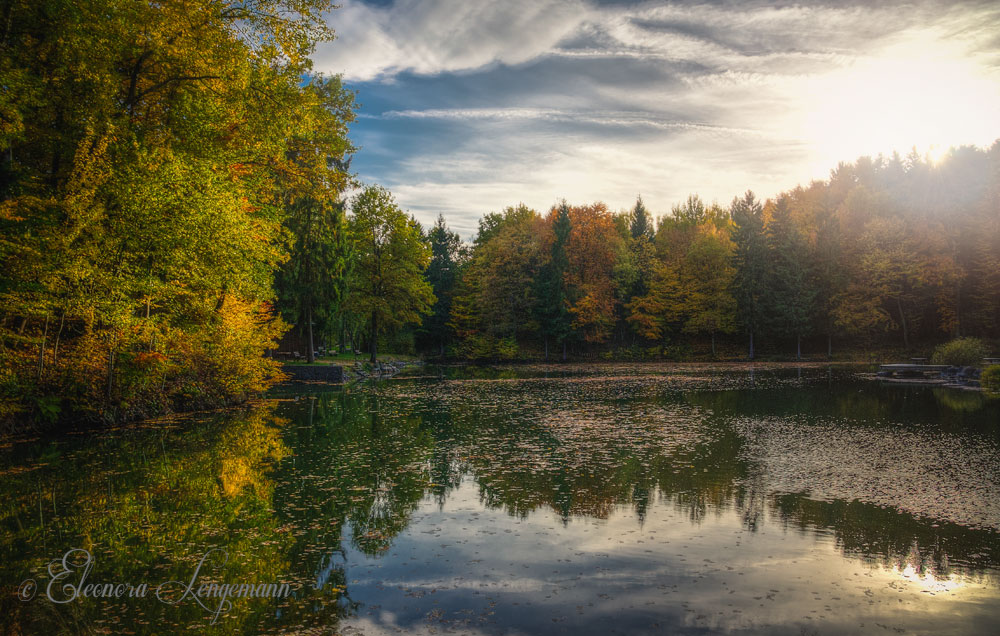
(535, 445)
(886, 537)
(868, 401)
(286, 487)
(961, 401)
(147, 504)
(883, 536)
(359, 469)
(575, 455)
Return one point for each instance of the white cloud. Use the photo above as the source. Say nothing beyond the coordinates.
(540, 169)
(461, 35)
(593, 117)
(445, 36)
(662, 100)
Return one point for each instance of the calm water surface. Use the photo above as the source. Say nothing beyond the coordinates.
(562, 500)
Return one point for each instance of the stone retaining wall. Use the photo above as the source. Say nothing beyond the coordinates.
(315, 373)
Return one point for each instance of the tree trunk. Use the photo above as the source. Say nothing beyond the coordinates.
(311, 355)
(41, 348)
(902, 320)
(798, 347)
(713, 344)
(149, 347)
(111, 371)
(546, 348)
(343, 335)
(958, 309)
(751, 344)
(829, 346)
(564, 351)
(374, 337)
(55, 347)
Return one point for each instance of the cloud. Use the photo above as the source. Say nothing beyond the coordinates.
(445, 36)
(472, 106)
(379, 42)
(596, 117)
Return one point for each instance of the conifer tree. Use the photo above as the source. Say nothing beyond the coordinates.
(750, 261)
(552, 303)
(442, 274)
(788, 294)
(641, 225)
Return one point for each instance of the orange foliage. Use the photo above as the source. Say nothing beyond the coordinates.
(592, 251)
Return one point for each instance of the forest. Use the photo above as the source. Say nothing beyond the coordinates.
(897, 252)
(176, 195)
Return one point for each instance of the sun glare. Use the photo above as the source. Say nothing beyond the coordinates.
(928, 581)
(926, 95)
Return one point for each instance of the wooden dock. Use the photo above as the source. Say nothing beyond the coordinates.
(916, 373)
(922, 374)
(912, 370)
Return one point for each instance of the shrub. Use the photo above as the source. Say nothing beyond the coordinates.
(990, 379)
(961, 352)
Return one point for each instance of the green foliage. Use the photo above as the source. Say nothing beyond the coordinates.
(552, 302)
(172, 182)
(150, 154)
(788, 294)
(448, 259)
(962, 352)
(387, 285)
(751, 261)
(496, 296)
(990, 379)
(641, 226)
(909, 248)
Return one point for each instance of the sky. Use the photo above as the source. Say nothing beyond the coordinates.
(469, 106)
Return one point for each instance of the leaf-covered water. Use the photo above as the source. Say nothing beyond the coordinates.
(535, 500)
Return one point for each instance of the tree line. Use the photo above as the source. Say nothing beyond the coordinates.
(898, 251)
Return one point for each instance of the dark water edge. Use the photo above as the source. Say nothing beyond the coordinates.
(636, 498)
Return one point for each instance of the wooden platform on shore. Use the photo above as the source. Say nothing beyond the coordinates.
(913, 368)
(916, 381)
(918, 374)
(912, 373)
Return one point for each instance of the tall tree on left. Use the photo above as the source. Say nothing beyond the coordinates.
(145, 147)
(310, 284)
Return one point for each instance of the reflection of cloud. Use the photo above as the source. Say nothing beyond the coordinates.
(462, 567)
(471, 106)
(928, 581)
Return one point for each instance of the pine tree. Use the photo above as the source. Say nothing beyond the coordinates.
(641, 225)
(442, 274)
(750, 261)
(308, 283)
(788, 294)
(552, 304)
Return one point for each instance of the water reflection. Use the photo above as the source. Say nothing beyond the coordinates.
(460, 502)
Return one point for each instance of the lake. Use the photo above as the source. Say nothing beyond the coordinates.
(630, 499)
